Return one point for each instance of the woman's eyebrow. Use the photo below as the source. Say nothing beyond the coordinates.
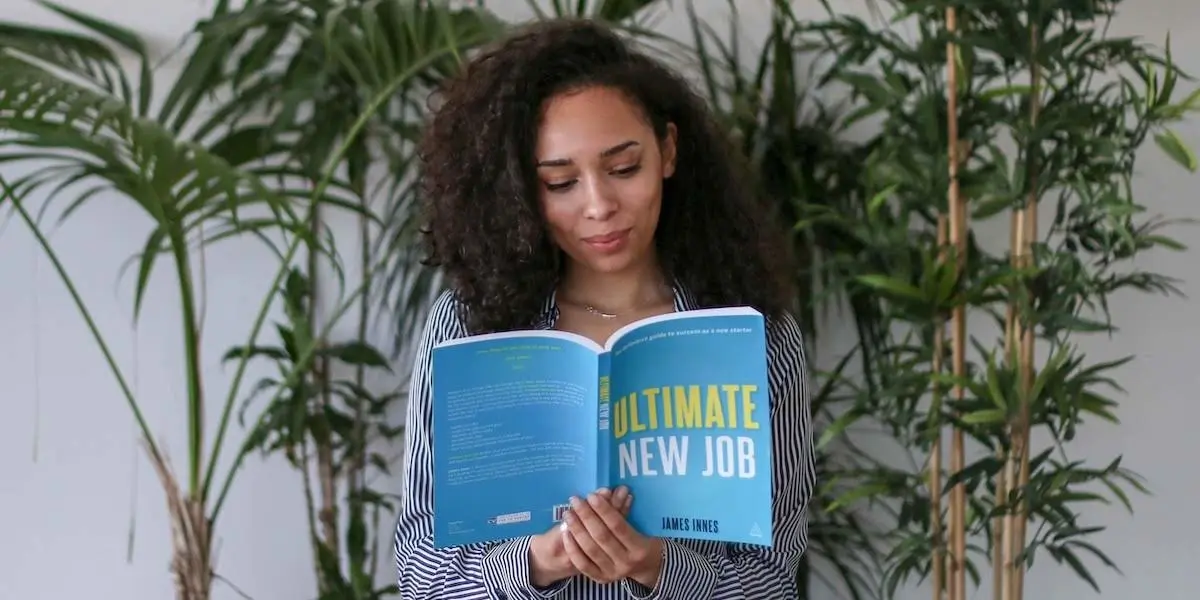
(562, 162)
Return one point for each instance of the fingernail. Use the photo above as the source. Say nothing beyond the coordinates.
(602, 491)
(563, 526)
(574, 501)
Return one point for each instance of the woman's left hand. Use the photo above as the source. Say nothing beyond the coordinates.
(604, 547)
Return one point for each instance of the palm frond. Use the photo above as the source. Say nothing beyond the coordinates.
(81, 136)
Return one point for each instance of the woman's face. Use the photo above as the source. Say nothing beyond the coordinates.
(601, 172)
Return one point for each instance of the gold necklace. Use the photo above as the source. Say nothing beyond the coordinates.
(608, 315)
(598, 312)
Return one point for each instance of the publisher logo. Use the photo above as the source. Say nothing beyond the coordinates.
(510, 518)
(755, 531)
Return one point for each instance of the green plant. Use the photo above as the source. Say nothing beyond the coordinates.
(201, 177)
(987, 111)
(329, 428)
(791, 140)
(66, 99)
(342, 61)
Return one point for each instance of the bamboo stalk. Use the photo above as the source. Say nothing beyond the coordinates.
(1009, 476)
(1018, 445)
(1014, 346)
(1001, 546)
(1028, 231)
(935, 452)
(1022, 333)
(958, 237)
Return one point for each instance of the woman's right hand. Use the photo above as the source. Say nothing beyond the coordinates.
(548, 562)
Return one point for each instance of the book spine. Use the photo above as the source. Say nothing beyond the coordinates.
(604, 435)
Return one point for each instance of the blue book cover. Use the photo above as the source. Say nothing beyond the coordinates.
(675, 407)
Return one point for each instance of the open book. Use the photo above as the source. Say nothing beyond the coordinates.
(676, 407)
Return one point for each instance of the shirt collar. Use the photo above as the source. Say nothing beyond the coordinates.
(684, 301)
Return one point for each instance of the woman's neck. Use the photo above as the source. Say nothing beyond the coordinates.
(627, 291)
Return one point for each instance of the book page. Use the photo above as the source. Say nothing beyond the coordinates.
(690, 427)
(513, 434)
(656, 321)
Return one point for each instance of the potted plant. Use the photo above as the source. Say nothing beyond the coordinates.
(1024, 116)
(201, 176)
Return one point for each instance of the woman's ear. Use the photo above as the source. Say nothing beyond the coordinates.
(669, 146)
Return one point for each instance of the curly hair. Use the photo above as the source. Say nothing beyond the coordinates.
(483, 222)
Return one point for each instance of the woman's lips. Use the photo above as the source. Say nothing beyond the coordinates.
(608, 243)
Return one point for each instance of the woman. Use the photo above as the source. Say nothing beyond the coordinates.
(572, 183)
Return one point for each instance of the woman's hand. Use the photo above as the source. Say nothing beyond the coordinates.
(548, 560)
(601, 544)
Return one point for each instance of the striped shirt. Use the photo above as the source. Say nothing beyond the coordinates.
(692, 570)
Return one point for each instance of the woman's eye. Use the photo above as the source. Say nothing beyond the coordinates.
(560, 186)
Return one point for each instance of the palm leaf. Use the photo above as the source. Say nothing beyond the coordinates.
(365, 45)
(66, 103)
(80, 127)
(365, 106)
(85, 137)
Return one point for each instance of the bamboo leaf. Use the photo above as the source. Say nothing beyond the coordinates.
(891, 286)
(1174, 146)
(985, 417)
(853, 496)
(837, 428)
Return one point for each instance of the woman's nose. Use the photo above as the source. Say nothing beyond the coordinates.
(601, 201)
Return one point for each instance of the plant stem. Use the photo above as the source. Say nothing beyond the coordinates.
(958, 237)
(935, 453)
(1023, 329)
(191, 536)
(1001, 548)
(191, 349)
(356, 475)
(1030, 216)
(18, 205)
(323, 440)
(310, 510)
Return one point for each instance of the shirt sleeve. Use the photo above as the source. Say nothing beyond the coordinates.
(748, 572)
(471, 572)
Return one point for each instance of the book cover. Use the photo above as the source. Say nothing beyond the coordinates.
(676, 407)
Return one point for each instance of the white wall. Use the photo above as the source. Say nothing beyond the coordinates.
(73, 478)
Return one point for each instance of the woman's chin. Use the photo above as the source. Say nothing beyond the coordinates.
(620, 263)
(609, 262)
(607, 265)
